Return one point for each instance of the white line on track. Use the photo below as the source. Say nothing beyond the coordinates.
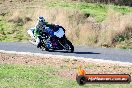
(69, 57)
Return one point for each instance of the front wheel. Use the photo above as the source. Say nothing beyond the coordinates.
(69, 47)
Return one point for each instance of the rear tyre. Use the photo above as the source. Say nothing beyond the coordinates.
(46, 49)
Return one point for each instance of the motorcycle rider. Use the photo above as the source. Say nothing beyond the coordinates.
(39, 27)
(49, 36)
(42, 26)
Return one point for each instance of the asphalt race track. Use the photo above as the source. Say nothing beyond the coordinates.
(80, 51)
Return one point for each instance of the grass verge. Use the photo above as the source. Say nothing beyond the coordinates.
(23, 76)
(24, 71)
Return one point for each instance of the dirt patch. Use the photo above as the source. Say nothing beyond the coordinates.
(68, 67)
(99, 69)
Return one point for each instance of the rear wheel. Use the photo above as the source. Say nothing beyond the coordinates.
(43, 45)
(69, 47)
(46, 49)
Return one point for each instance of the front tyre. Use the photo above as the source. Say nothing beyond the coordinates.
(69, 47)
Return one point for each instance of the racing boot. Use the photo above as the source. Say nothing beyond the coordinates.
(39, 45)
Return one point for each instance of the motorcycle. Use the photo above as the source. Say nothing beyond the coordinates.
(51, 43)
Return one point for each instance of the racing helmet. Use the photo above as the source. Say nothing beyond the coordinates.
(41, 19)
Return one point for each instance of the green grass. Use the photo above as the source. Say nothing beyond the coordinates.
(25, 76)
(20, 76)
(10, 31)
(98, 11)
